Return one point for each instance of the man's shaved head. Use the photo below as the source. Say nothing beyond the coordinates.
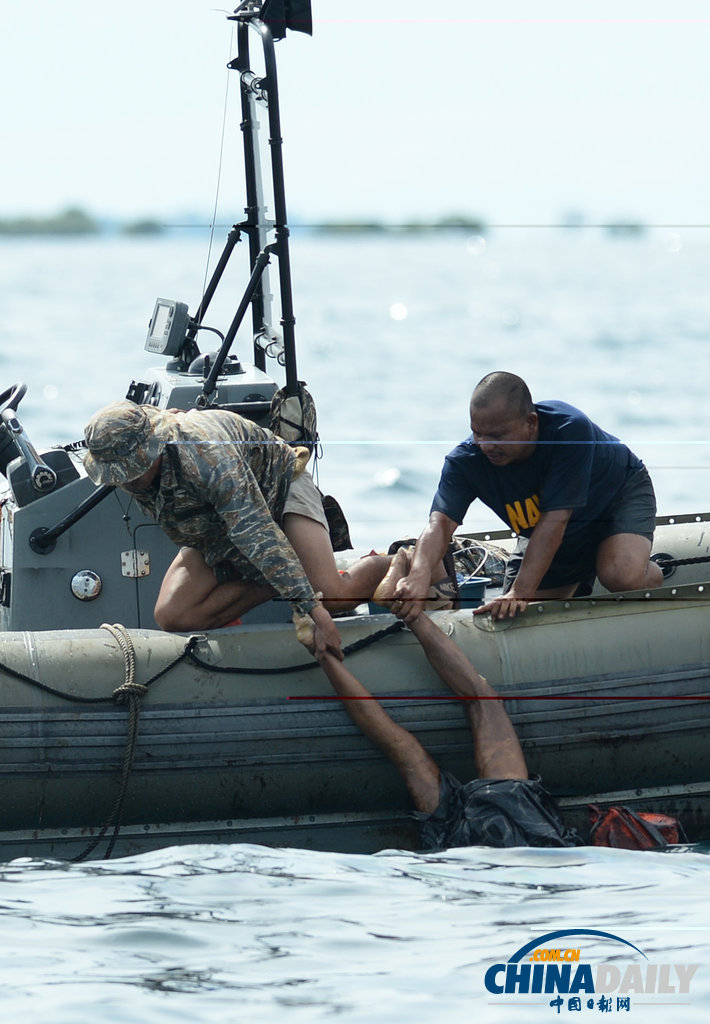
(507, 388)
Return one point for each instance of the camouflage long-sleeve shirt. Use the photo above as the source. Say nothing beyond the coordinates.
(222, 487)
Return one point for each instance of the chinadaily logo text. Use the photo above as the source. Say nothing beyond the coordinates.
(581, 970)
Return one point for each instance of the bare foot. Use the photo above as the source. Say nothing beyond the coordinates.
(305, 631)
(399, 568)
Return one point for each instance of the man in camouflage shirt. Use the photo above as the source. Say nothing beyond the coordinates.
(238, 502)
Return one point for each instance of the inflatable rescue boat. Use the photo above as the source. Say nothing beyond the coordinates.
(116, 737)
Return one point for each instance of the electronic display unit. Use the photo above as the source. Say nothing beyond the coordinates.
(167, 328)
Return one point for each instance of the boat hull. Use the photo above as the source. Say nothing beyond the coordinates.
(606, 696)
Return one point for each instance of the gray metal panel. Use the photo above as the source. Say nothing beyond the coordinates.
(41, 597)
(171, 390)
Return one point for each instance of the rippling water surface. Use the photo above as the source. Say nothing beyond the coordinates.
(246, 933)
(393, 333)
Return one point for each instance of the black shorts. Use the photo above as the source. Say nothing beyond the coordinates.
(632, 511)
(493, 812)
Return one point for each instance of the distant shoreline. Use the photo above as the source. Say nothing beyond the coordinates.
(75, 222)
(71, 222)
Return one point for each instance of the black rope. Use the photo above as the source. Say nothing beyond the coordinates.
(188, 649)
(681, 561)
(77, 698)
(127, 693)
(130, 693)
(366, 641)
(134, 692)
(188, 654)
(46, 688)
(356, 645)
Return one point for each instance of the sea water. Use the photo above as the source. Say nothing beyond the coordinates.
(393, 333)
(244, 933)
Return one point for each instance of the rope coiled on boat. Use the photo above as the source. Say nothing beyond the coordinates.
(80, 698)
(131, 693)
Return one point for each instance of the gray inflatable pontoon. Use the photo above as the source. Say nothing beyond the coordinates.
(239, 737)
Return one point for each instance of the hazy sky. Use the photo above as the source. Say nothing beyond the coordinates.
(519, 112)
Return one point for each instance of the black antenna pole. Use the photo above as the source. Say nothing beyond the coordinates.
(281, 247)
(269, 19)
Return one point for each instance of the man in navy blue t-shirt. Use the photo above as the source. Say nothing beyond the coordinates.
(580, 501)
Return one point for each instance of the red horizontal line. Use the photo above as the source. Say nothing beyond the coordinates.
(551, 696)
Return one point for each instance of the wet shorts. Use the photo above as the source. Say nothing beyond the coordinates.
(632, 511)
(493, 812)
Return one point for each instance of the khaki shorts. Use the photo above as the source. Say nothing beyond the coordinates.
(304, 499)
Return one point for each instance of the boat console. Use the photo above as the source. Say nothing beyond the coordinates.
(74, 555)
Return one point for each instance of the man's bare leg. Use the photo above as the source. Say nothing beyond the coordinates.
(623, 563)
(416, 766)
(497, 748)
(191, 598)
(341, 591)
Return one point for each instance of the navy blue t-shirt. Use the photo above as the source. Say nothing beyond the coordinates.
(575, 465)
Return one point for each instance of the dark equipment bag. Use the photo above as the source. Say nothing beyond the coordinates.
(293, 418)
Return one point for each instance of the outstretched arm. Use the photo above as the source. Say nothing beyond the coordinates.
(542, 547)
(496, 745)
(416, 766)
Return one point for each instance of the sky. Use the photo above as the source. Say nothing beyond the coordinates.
(515, 112)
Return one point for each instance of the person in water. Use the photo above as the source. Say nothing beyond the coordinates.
(581, 503)
(241, 506)
(503, 806)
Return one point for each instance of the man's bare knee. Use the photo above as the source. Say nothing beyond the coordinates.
(620, 577)
(623, 563)
(168, 619)
(614, 579)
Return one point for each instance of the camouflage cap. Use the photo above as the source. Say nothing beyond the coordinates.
(124, 440)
